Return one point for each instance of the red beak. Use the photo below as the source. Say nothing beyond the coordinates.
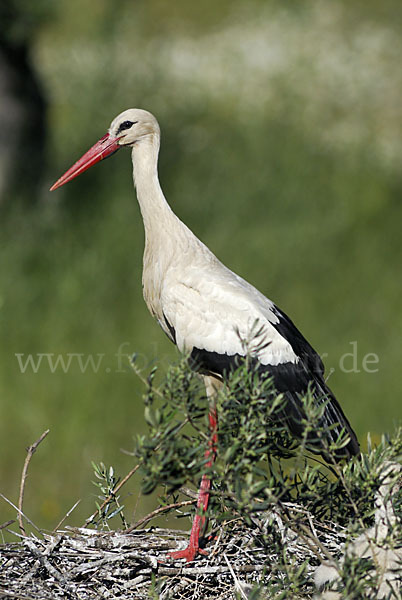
(105, 147)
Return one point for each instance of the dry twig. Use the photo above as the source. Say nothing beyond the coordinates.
(156, 512)
(19, 512)
(30, 451)
(68, 513)
(7, 524)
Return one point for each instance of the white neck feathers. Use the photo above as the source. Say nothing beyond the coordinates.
(153, 205)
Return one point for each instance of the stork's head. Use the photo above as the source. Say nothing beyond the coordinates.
(133, 125)
(129, 128)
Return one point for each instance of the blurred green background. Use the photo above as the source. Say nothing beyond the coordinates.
(281, 149)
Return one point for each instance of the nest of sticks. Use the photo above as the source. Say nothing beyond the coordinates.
(81, 563)
(285, 552)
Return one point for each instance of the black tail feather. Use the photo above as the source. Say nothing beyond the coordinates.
(331, 425)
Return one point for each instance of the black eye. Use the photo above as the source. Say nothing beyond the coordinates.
(125, 125)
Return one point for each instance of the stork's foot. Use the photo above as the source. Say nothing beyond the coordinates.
(188, 553)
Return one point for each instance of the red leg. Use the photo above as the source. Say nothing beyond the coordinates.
(193, 547)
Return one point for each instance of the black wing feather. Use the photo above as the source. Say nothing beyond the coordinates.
(293, 380)
(333, 417)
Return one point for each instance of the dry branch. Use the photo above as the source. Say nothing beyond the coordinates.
(158, 511)
(30, 452)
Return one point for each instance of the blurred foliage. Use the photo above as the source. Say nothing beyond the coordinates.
(280, 149)
(23, 106)
(20, 19)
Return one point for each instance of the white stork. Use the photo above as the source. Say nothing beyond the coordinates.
(206, 309)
